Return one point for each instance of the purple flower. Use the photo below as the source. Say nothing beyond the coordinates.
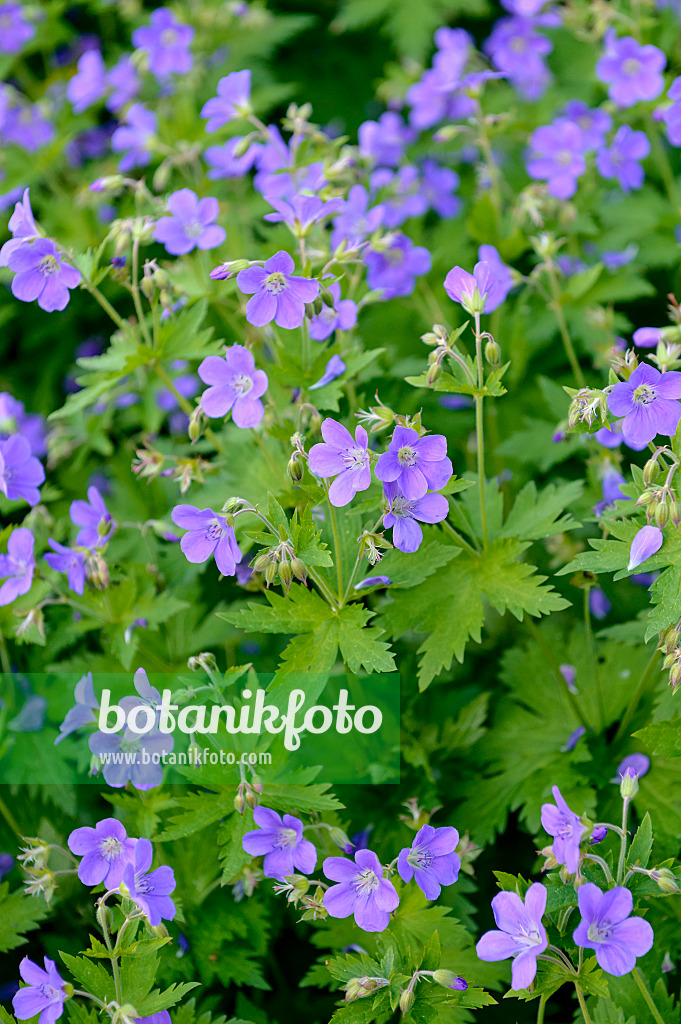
(384, 141)
(150, 890)
(344, 458)
(645, 544)
(21, 474)
(6, 864)
(356, 220)
(18, 564)
(83, 711)
(162, 1016)
(23, 228)
(88, 85)
(621, 159)
(594, 124)
(394, 270)
(192, 224)
(15, 420)
(485, 289)
(106, 852)
(301, 213)
(135, 139)
(94, 519)
(607, 927)
(516, 49)
(372, 581)
(26, 127)
(40, 273)
(416, 464)
(281, 841)
(557, 157)
(45, 992)
(599, 604)
(671, 115)
(431, 860)
(166, 42)
(280, 172)
(362, 891)
(131, 757)
(637, 764)
(404, 197)
(341, 316)
(598, 835)
(276, 294)
(573, 739)
(632, 71)
(569, 674)
(438, 187)
(647, 337)
(208, 534)
(233, 101)
(611, 487)
(236, 386)
(647, 400)
(521, 934)
(224, 162)
(566, 828)
(124, 83)
(335, 368)
(15, 29)
(70, 561)
(403, 512)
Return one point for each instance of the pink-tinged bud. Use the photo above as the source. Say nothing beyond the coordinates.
(646, 543)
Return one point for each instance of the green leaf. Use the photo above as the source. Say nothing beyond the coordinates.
(93, 977)
(642, 845)
(542, 514)
(18, 914)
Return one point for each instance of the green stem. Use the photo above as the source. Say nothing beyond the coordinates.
(542, 1007)
(101, 917)
(325, 590)
(305, 345)
(582, 1005)
(136, 293)
(562, 326)
(591, 645)
(336, 544)
(458, 538)
(356, 565)
(480, 430)
(555, 668)
(636, 696)
(4, 657)
(9, 817)
(106, 305)
(182, 402)
(638, 978)
(623, 841)
(662, 163)
(602, 864)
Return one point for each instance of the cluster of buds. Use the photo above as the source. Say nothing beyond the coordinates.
(314, 906)
(39, 881)
(247, 794)
(359, 988)
(97, 570)
(664, 877)
(370, 545)
(417, 815)
(448, 979)
(293, 887)
(623, 363)
(660, 501)
(376, 417)
(281, 561)
(187, 471)
(671, 648)
(587, 405)
(148, 461)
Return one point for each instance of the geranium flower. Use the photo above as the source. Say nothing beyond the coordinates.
(21, 474)
(362, 891)
(70, 561)
(232, 101)
(150, 890)
(566, 828)
(431, 860)
(18, 564)
(276, 294)
(93, 518)
(42, 274)
(281, 842)
(520, 934)
(346, 459)
(192, 224)
(608, 927)
(105, 850)
(632, 71)
(208, 534)
(83, 711)
(415, 464)
(236, 386)
(403, 513)
(648, 402)
(166, 42)
(45, 992)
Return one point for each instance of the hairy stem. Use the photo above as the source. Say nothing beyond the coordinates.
(480, 430)
(623, 841)
(638, 978)
(563, 327)
(582, 1005)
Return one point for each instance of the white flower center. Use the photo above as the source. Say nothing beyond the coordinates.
(276, 282)
(366, 881)
(110, 848)
(242, 384)
(644, 394)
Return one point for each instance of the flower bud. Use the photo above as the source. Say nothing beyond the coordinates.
(148, 287)
(651, 471)
(628, 785)
(666, 880)
(270, 573)
(338, 836)
(295, 469)
(675, 676)
(256, 783)
(194, 428)
(285, 574)
(358, 988)
(251, 797)
(675, 514)
(261, 562)
(407, 1000)
(492, 353)
(239, 802)
(662, 514)
(433, 373)
(448, 979)
(299, 571)
(317, 305)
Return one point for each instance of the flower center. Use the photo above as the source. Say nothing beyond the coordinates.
(49, 993)
(242, 384)
(401, 507)
(564, 158)
(632, 66)
(528, 938)
(286, 837)
(168, 37)
(143, 885)
(644, 394)
(518, 45)
(193, 228)
(275, 282)
(420, 858)
(354, 458)
(406, 456)
(214, 530)
(599, 931)
(110, 848)
(366, 881)
(48, 265)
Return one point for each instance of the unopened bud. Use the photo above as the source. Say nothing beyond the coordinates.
(448, 979)
(194, 428)
(317, 305)
(407, 1000)
(433, 373)
(651, 471)
(261, 563)
(628, 785)
(103, 526)
(239, 802)
(270, 573)
(675, 675)
(295, 469)
(256, 783)
(492, 353)
(675, 514)
(666, 880)
(148, 287)
(285, 574)
(338, 836)
(251, 798)
(662, 514)
(327, 298)
(299, 570)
